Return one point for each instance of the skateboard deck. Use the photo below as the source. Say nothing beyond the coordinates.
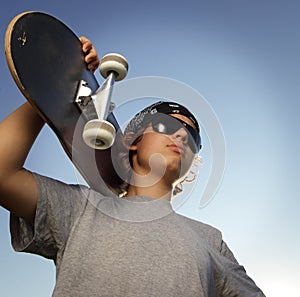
(47, 63)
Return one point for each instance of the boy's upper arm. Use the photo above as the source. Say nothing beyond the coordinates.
(19, 194)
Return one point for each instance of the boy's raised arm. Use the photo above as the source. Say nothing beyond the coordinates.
(18, 190)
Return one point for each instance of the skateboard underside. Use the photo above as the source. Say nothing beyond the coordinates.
(47, 64)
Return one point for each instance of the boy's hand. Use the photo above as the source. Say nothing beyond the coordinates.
(91, 56)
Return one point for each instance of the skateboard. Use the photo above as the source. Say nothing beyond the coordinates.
(47, 63)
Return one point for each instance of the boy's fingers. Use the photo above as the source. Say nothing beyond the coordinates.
(91, 57)
(86, 44)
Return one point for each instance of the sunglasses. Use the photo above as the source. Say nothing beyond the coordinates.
(165, 124)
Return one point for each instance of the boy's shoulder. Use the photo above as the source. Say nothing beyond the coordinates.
(210, 233)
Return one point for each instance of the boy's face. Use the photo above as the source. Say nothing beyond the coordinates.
(170, 152)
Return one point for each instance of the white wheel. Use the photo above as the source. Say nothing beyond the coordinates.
(114, 63)
(99, 135)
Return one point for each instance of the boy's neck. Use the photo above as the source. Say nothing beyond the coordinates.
(158, 190)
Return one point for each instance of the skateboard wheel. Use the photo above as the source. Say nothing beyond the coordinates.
(98, 134)
(114, 63)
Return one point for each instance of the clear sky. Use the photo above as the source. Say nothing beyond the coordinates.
(243, 58)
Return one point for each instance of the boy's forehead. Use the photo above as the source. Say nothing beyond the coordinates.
(183, 118)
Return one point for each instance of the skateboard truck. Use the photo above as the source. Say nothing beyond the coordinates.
(99, 133)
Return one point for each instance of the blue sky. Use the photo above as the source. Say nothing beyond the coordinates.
(243, 58)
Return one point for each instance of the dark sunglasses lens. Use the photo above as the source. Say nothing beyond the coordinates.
(166, 126)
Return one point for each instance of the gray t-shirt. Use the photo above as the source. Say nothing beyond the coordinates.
(138, 246)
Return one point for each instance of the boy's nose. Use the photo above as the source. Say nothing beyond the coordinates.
(181, 135)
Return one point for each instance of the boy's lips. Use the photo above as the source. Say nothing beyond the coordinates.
(176, 148)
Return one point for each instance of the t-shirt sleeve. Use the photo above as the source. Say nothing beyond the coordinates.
(58, 207)
(232, 279)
